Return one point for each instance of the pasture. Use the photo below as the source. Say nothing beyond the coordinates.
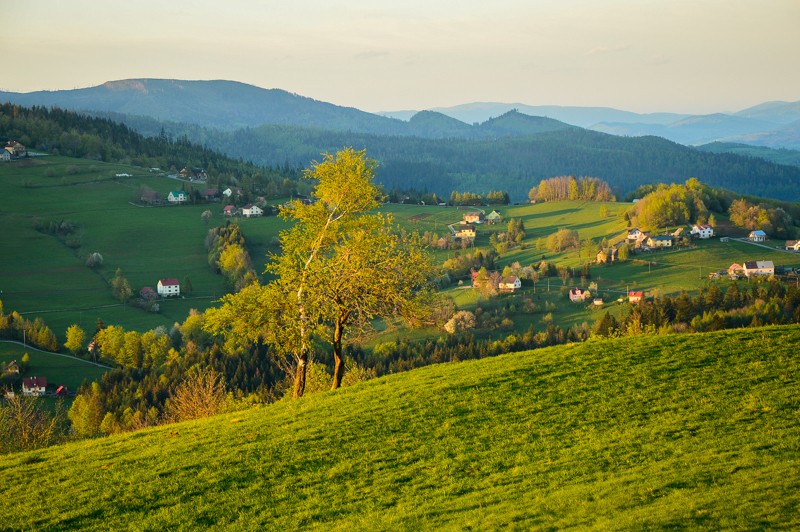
(645, 433)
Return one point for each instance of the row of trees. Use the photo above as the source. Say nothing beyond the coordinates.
(568, 188)
(475, 199)
(14, 326)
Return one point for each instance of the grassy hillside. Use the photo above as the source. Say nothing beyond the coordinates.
(642, 433)
(41, 275)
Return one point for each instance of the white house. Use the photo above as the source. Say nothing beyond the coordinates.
(634, 234)
(5, 155)
(793, 245)
(702, 231)
(251, 210)
(510, 284)
(757, 236)
(168, 287)
(177, 196)
(34, 386)
(759, 267)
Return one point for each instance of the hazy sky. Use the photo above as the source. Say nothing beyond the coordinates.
(696, 56)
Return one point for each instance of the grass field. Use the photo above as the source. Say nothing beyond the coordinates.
(58, 369)
(676, 432)
(40, 275)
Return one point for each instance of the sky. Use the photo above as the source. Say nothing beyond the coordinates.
(698, 56)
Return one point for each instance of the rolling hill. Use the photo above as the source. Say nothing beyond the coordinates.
(634, 433)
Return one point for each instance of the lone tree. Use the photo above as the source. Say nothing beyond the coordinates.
(342, 266)
(120, 287)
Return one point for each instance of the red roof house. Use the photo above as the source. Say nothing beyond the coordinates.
(635, 297)
(34, 385)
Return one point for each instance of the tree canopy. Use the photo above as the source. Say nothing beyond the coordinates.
(341, 267)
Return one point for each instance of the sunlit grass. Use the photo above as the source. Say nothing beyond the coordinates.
(690, 431)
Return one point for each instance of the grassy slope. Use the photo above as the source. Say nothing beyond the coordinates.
(631, 433)
(41, 276)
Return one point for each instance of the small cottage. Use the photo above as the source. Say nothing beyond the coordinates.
(635, 297)
(757, 236)
(510, 284)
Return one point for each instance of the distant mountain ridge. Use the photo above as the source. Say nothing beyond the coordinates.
(230, 105)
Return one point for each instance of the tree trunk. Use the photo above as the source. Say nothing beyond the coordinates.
(300, 375)
(338, 360)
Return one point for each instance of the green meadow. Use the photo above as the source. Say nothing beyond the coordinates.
(695, 431)
(40, 275)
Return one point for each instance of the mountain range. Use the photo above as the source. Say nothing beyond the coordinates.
(477, 147)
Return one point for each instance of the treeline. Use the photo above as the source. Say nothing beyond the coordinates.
(568, 188)
(762, 302)
(71, 134)
(511, 164)
(14, 326)
(474, 199)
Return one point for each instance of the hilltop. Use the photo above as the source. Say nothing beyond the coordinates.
(630, 433)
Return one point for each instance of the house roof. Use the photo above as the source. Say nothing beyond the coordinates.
(34, 382)
(169, 282)
(228, 208)
(577, 291)
(635, 294)
(791, 243)
(758, 265)
(661, 237)
(758, 232)
(248, 206)
(511, 279)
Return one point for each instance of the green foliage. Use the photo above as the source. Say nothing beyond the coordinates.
(568, 188)
(774, 221)
(75, 338)
(563, 239)
(636, 433)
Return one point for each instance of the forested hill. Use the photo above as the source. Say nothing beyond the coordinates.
(513, 164)
(71, 134)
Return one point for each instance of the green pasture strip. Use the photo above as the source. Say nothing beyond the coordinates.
(57, 369)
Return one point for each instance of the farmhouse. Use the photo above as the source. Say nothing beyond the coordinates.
(635, 297)
(702, 231)
(494, 217)
(250, 211)
(578, 295)
(229, 210)
(735, 270)
(473, 217)
(210, 194)
(660, 241)
(15, 149)
(634, 234)
(607, 255)
(464, 231)
(757, 236)
(34, 386)
(178, 196)
(793, 245)
(510, 284)
(168, 287)
(759, 267)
